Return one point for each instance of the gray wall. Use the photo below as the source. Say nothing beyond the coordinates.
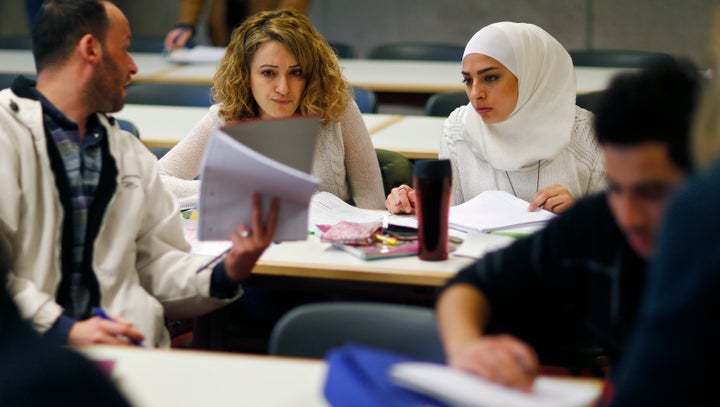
(674, 26)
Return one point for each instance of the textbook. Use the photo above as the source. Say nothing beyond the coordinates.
(380, 250)
(270, 157)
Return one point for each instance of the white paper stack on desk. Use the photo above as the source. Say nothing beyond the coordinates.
(271, 157)
(495, 210)
(199, 54)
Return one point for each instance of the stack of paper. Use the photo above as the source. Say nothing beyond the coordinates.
(329, 209)
(270, 157)
(495, 210)
(459, 388)
(199, 54)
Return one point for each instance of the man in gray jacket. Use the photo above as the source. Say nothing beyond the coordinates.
(85, 216)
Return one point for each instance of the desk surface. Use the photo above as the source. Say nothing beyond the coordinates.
(149, 65)
(416, 137)
(388, 76)
(378, 75)
(173, 378)
(312, 259)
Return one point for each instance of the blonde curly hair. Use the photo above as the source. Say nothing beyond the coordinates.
(326, 92)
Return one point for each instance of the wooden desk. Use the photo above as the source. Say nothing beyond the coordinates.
(151, 66)
(162, 126)
(174, 378)
(17, 61)
(403, 77)
(312, 259)
(165, 126)
(415, 137)
(424, 77)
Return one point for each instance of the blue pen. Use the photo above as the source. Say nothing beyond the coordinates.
(99, 312)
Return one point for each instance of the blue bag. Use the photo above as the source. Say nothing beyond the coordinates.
(358, 376)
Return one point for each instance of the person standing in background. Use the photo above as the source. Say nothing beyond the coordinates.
(224, 15)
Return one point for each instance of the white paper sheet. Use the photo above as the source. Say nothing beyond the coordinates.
(495, 210)
(199, 54)
(477, 244)
(459, 388)
(329, 209)
(232, 172)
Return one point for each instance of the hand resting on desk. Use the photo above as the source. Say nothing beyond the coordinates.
(554, 198)
(503, 359)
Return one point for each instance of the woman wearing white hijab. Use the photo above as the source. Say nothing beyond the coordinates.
(521, 131)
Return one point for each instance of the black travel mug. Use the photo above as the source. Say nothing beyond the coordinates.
(432, 180)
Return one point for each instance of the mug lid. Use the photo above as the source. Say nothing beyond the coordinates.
(433, 169)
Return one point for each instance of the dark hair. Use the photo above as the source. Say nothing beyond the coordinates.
(61, 23)
(654, 105)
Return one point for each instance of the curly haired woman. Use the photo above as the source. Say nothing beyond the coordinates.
(277, 65)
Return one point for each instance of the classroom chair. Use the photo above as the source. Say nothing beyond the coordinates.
(616, 57)
(588, 100)
(418, 51)
(6, 79)
(15, 42)
(129, 127)
(312, 330)
(343, 50)
(442, 104)
(170, 94)
(148, 43)
(395, 168)
(365, 99)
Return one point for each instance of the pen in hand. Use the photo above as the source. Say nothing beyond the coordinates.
(176, 40)
(99, 312)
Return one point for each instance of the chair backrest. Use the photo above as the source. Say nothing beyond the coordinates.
(159, 151)
(6, 79)
(312, 330)
(442, 104)
(16, 42)
(616, 58)
(129, 127)
(171, 94)
(395, 168)
(365, 99)
(141, 43)
(588, 100)
(418, 51)
(342, 50)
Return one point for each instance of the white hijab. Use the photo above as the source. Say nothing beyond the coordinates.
(540, 125)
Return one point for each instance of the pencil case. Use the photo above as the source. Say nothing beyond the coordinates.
(352, 233)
